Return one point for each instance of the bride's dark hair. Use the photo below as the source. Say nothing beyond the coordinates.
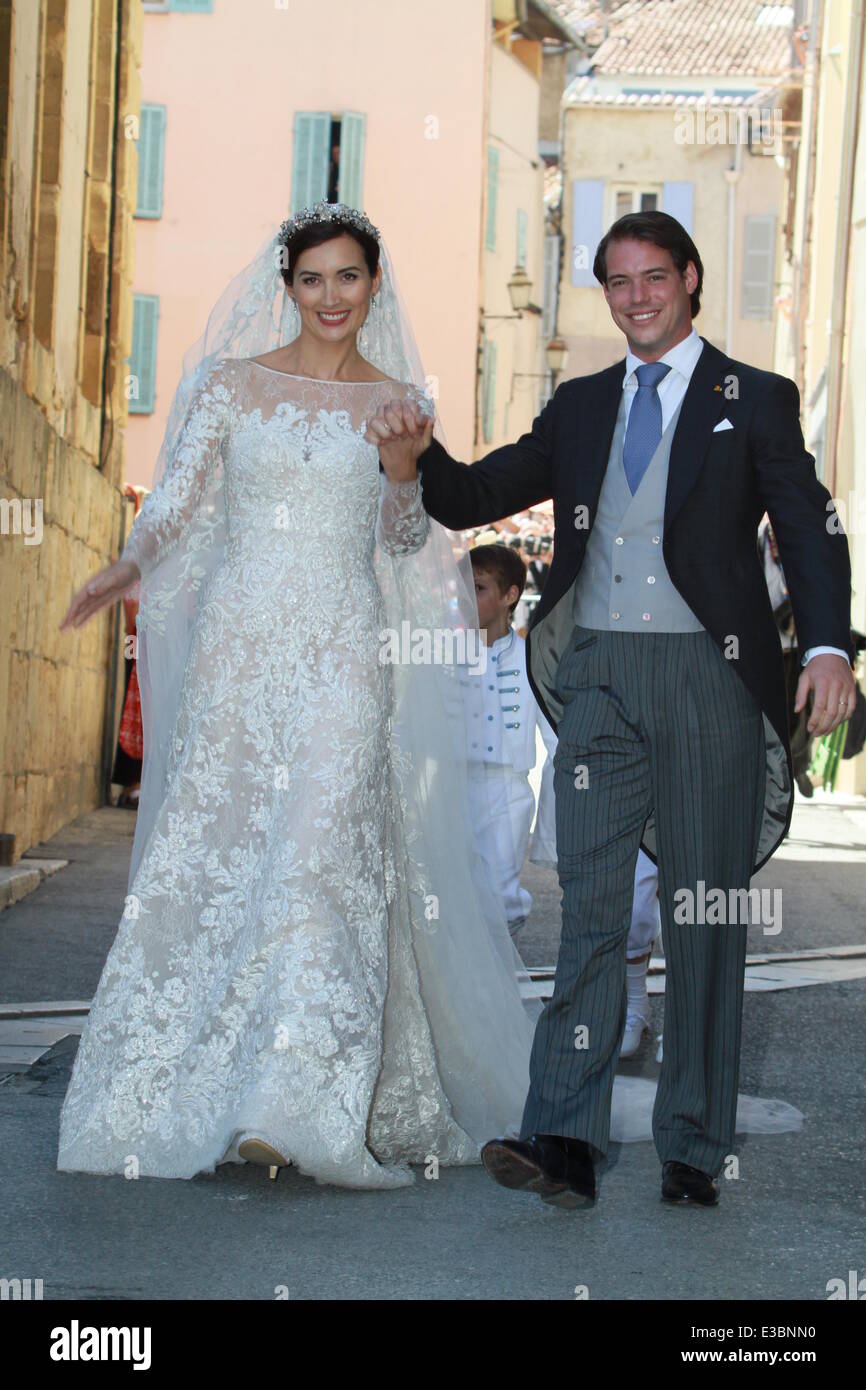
(317, 232)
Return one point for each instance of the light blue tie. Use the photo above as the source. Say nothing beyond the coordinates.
(644, 423)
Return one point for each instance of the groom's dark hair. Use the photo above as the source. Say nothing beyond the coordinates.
(662, 230)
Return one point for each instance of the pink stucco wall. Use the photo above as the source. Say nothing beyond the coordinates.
(232, 81)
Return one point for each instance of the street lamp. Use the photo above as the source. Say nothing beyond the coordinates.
(519, 290)
(557, 355)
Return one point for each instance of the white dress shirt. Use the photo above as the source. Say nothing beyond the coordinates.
(682, 359)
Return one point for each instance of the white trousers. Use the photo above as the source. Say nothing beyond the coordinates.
(502, 805)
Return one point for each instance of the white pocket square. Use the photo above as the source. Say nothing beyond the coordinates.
(723, 425)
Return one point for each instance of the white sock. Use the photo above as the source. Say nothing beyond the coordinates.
(635, 983)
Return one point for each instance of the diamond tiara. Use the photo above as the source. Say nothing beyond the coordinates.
(326, 212)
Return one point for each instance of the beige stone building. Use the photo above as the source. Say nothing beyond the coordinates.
(691, 117)
(70, 102)
(821, 340)
(527, 73)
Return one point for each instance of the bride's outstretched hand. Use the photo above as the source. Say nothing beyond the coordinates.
(402, 433)
(104, 588)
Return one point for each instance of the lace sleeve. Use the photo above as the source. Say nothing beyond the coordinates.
(402, 525)
(174, 499)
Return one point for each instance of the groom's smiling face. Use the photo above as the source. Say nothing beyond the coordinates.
(648, 297)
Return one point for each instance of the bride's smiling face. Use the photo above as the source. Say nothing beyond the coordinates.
(332, 288)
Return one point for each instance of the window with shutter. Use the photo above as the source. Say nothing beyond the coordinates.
(550, 290)
(142, 359)
(351, 183)
(151, 160)
(759, 266)
(678, 200)
(630, 197)
(587, 212)
(492, 196)
(522, 236)
(488, 391)
(311, 153)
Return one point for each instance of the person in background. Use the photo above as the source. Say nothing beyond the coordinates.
(798, 721)
(531, 534)
(129, 751)
(501, 747)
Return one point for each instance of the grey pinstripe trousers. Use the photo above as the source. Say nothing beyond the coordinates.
(650, 720)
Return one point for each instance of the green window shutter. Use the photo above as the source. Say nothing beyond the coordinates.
(350, 188)
(191, 6)
(142, 359)
(522, 234)
(311, 154)
(759, 266)
(550, 294)
(492, 192)
(488, 391)
(151, 161)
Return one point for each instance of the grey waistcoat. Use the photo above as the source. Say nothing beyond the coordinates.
(624, 583)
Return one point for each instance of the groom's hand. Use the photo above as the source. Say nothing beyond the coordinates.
(834, 692)
(401, 434)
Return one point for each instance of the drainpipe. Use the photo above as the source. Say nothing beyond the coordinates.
(482, 279)
(842, 249)
(733, 176)
(802, 281)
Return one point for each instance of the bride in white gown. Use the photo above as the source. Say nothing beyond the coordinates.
(310, 967)
(289, 983)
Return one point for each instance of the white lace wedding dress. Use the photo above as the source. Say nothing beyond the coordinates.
(267, 976)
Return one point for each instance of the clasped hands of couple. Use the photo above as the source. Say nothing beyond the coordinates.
(401, 432)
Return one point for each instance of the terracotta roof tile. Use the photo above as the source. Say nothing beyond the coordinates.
(587, 16)
(714, 38)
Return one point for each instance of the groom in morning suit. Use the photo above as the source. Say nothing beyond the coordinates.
(654, 655)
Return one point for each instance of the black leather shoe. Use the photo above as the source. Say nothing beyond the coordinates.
(683, 1184)
(560, 1170)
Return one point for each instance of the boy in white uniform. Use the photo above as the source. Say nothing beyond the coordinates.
(500, 734)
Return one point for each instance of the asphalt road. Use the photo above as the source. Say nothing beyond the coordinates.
(792, 1221)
